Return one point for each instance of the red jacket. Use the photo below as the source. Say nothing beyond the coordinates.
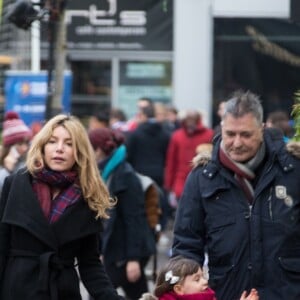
(180, 152)
(206, 295)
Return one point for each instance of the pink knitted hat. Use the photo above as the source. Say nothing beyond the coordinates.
(14, 129)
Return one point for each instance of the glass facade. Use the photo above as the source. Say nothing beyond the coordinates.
(150, 79)
(261, 55)
(91, 86)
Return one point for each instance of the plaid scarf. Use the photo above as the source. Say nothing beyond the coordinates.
(45, 180)
(243, 173)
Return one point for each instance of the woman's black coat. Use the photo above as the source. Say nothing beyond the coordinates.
(37, 260)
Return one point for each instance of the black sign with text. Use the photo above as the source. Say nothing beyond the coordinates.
(120, 25)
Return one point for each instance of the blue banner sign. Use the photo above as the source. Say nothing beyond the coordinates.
(26, 94)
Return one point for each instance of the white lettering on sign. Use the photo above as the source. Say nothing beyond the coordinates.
(38, 88)
(133, 18)
(104, 17)
(32, 108)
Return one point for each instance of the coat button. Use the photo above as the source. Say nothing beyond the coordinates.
(249, 266)
(247, 215)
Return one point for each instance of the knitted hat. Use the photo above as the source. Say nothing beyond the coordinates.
(14, 129)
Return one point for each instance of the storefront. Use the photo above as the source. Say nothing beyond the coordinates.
(118, 51)
(192, 53)
(212, 58)
(257, 54)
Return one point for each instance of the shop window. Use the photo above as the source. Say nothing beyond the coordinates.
(149, 79)
(261, 55)
(91, 86)
(91, 78)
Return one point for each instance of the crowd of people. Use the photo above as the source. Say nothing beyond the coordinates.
(72, 204)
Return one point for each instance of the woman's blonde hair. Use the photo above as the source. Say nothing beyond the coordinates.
(93, 188)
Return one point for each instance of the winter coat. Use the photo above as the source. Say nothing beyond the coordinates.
(181, 150)
(147, 150)
(37, 259)
(127, 235)
(248, 246)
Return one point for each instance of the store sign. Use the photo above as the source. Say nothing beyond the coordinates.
(144, 79)
(26, 93)
(120, 24)
(145, 70)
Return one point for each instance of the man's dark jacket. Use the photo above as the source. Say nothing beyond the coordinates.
(256, 246)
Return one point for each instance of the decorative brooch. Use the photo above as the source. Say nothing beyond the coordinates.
(169, 277)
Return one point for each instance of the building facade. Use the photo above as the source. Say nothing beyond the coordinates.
(192, 53)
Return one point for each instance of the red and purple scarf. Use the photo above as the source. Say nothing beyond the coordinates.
(45, 180)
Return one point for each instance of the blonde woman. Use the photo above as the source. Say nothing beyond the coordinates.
(50, 217)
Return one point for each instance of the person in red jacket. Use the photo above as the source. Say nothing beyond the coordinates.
(182, 149)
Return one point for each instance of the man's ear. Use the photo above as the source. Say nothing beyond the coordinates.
(178, 289)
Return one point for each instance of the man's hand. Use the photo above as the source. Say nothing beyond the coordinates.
(293, 148)
(253, 295)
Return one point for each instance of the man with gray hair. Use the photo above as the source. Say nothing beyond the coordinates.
(243, 208)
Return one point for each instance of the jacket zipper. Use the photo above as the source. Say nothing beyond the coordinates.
(270, 204)
(250, 210)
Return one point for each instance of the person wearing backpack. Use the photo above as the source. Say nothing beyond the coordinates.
(127, 241)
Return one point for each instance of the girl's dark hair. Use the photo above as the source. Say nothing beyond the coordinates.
(181, 267)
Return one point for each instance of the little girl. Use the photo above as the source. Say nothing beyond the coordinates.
(183, 279)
